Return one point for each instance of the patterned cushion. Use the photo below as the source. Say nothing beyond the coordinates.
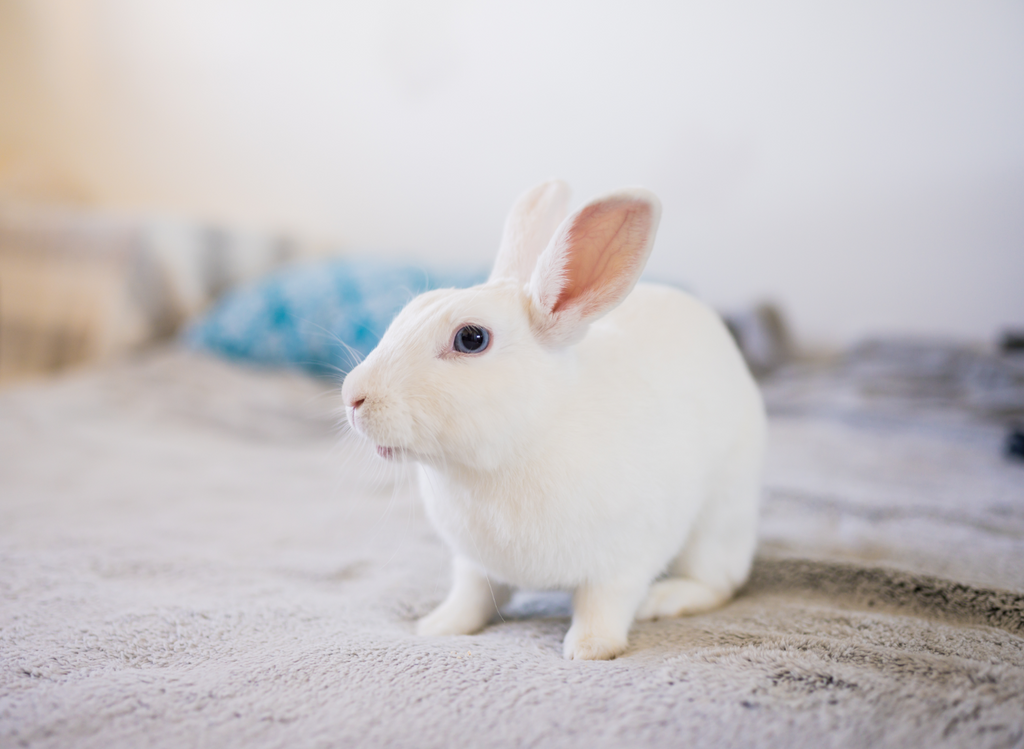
(318, 316)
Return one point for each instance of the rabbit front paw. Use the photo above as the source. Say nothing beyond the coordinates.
(591, 646)
(451, 618)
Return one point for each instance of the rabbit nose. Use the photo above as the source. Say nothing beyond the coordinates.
(352, 393)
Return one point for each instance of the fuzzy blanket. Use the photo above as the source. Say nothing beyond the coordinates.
(191, 556)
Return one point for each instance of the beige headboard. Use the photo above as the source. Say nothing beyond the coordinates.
(78, 286)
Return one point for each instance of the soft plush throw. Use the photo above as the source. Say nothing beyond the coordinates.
(191, 555)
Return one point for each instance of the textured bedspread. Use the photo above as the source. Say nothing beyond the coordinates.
(191, 556)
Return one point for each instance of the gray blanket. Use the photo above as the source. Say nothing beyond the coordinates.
(191, 555)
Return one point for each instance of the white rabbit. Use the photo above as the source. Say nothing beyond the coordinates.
(571, 434)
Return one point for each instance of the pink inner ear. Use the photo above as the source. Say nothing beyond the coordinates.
(604, 246)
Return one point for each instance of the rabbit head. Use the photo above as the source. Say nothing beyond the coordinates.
(463, 377)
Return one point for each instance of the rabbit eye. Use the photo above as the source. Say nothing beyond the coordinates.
(471, 339)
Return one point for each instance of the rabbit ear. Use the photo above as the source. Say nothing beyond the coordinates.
(528, 228)
(593, 262)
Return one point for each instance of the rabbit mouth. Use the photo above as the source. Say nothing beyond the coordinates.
(389, 453)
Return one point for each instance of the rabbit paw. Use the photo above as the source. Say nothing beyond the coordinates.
(591, 646)
(679, 596)
(451, 619)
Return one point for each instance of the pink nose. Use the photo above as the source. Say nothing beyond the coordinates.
(356, 402)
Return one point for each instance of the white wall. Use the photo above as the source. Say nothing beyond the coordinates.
(862, 163)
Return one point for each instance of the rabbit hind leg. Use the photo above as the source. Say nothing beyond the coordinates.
(679, 596)
(717, 556)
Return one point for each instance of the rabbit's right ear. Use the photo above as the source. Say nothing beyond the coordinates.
(529, 227)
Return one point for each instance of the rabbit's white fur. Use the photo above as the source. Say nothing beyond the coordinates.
(603, 437)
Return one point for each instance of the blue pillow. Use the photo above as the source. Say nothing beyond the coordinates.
(320, 316)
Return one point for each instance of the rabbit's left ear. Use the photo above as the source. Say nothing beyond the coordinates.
(592, 263)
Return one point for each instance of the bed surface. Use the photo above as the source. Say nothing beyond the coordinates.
(193, 556)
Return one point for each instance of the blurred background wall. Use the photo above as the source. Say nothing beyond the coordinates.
(860, 163)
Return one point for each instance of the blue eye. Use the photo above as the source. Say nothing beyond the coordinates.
(471, 339)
